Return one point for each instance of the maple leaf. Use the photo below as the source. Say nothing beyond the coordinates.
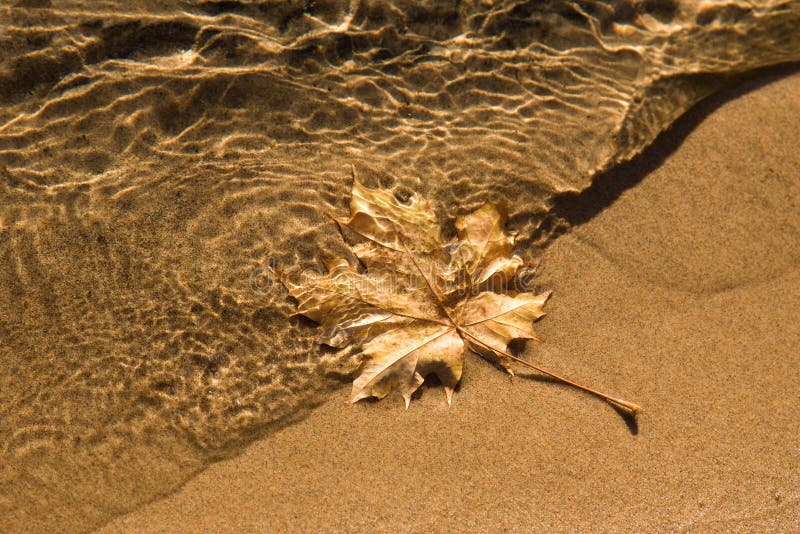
(416, 302)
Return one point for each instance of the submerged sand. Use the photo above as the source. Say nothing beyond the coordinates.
(157, 156)
(680, 295)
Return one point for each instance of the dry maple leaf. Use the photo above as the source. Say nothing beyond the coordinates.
(419, 301)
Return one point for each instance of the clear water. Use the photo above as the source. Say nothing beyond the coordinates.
(156, 156)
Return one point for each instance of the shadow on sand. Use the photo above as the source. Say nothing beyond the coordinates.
(571, 209)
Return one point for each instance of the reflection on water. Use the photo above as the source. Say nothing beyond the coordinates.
(155, 156)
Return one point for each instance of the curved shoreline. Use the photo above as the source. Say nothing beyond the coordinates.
(681, 299)
(157, 157)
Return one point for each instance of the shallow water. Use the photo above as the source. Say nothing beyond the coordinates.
(157, 156)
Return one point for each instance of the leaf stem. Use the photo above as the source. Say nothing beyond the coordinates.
(625, 405)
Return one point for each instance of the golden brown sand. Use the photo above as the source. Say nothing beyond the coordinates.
(681, 296)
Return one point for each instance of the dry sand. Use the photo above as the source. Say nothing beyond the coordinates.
(682, 296)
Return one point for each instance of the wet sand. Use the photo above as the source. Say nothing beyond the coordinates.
(680, 295)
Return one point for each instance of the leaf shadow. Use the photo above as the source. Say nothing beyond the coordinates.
(432, 384)
(628, 418)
